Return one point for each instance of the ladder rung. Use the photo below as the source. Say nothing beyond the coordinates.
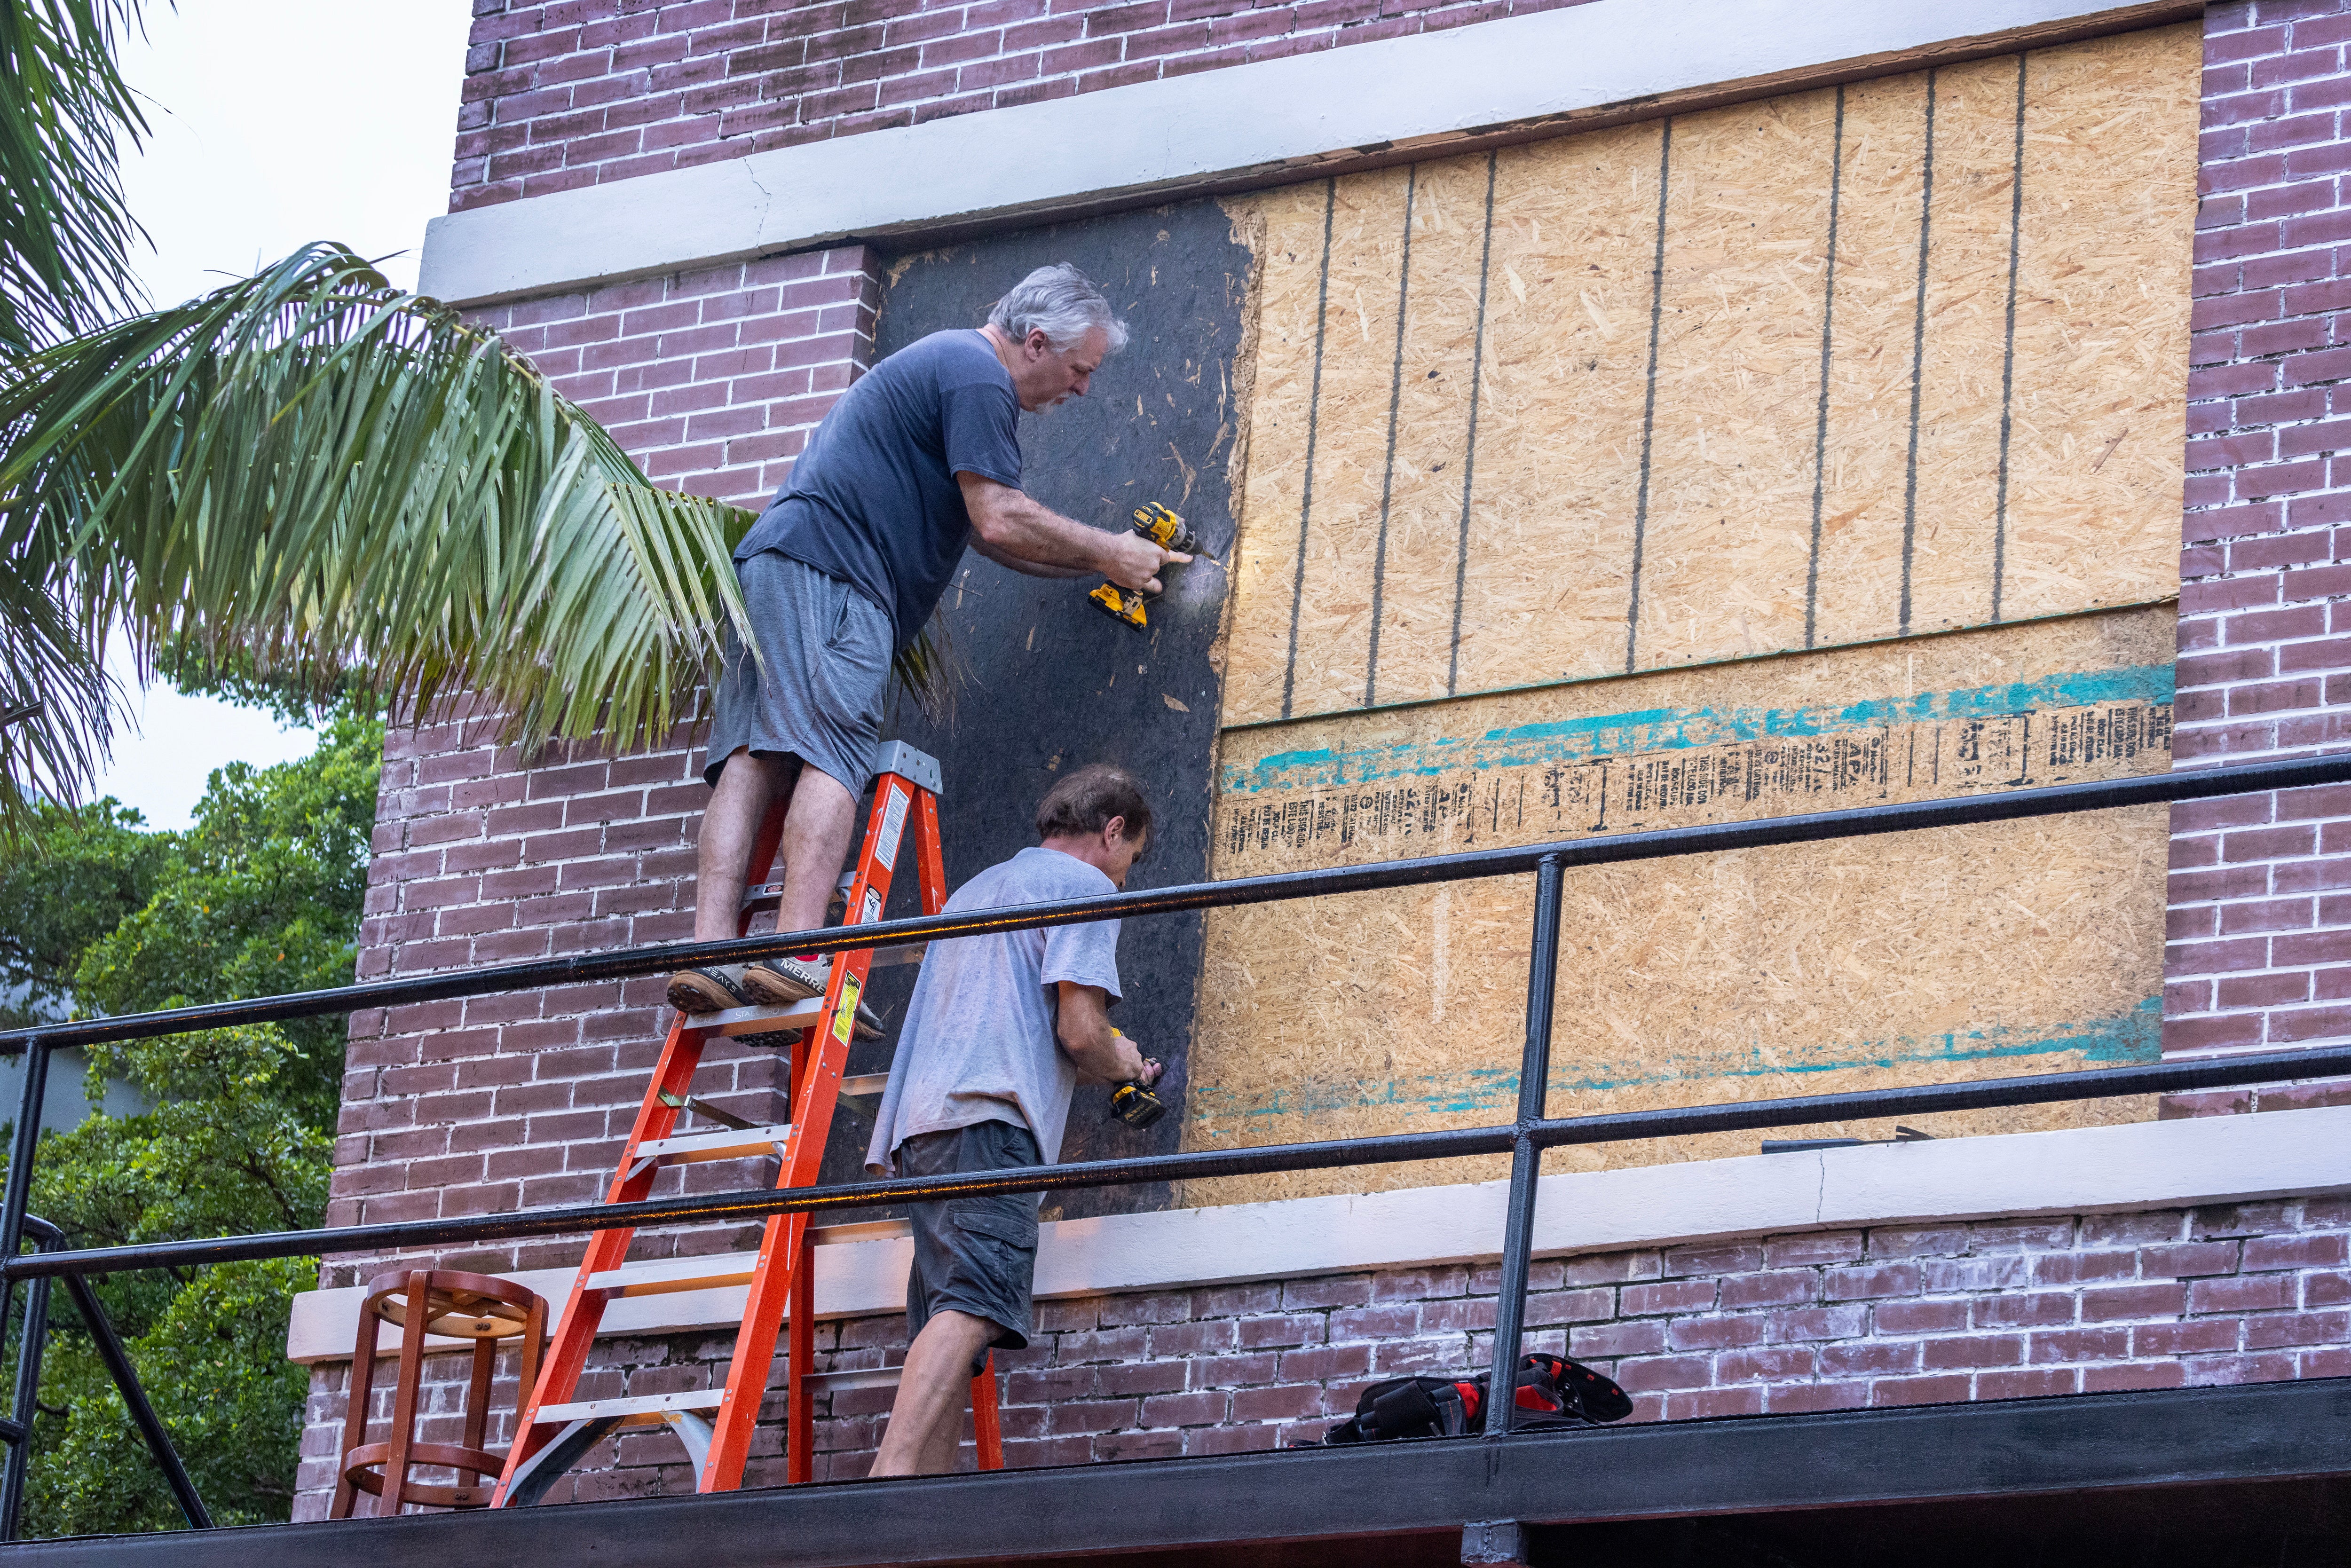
(864, 1230)
(865, 1086)
(868, 1377)
(671, 1275)
(641, 1407)
(758, 1020)
(725, 1143)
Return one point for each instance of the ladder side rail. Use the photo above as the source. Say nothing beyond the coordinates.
(930, 858)
(799, 1360)
(826, 1046)
(987, 1430)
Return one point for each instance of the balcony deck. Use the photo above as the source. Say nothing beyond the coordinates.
(2217, 1478)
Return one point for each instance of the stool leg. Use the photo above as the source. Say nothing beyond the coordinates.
(477, 1392)
(404, 1399)
(355, 1414)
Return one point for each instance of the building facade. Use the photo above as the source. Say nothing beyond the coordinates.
(1787, 407)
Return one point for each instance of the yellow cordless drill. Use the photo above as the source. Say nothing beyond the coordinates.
(1133, 1101)
(1163, 529)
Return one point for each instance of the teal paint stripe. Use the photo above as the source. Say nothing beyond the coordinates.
(2133, 1036)
(1569, 741)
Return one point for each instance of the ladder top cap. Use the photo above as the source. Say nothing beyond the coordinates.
(918, 768)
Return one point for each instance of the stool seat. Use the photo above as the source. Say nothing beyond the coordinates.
(421, 1302)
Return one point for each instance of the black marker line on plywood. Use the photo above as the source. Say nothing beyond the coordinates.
(1470, 460)
(1649, 399)
(1917, 355)
(2008, 353)
(1313, 418)
(1821, 430)
(1395, 400)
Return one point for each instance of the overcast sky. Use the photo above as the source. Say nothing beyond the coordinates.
(275, 122)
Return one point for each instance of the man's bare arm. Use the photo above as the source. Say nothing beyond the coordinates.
(1102, 1054)
(1011, 529)
(1027, 568)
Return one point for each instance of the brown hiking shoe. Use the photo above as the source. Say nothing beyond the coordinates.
(780, 982)
(707, 990)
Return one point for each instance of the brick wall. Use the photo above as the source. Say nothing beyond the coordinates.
(2261, 892)
(1825, 1320)
(560, 95)
(711, 379)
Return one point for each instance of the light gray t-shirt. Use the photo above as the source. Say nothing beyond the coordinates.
(979, 1044)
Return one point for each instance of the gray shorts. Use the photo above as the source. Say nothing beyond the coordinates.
(820, 698)
(976, 1255)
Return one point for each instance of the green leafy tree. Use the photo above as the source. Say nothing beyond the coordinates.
(76, 872)
(261, 894)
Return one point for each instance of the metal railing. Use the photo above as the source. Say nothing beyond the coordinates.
(16, 1429)
(1524, 1138)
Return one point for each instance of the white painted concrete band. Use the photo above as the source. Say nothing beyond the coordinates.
(1188, 131)
(2140, 1166)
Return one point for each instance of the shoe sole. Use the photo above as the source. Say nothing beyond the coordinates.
(697, 994)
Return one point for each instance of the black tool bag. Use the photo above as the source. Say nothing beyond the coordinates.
(1551, 1394)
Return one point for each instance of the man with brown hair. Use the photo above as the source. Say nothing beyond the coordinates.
(999, 1032)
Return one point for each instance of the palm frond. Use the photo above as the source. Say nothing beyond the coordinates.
(312, 474)
(65, 113)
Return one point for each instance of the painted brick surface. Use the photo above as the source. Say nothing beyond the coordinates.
(1822, 1319)
(2259, 939)
(561, 95)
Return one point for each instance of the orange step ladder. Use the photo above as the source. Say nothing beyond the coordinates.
(553, 1431)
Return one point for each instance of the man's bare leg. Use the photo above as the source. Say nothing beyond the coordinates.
(746, 787)
(926, 1418)
(816, 831)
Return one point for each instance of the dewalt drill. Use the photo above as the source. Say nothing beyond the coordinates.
(1163, 529)
(1135, 1103)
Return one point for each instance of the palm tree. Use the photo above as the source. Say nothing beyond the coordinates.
(308, 473)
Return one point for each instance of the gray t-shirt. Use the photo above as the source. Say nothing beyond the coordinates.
(978, 1043)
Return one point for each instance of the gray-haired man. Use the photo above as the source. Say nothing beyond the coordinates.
(916, 460)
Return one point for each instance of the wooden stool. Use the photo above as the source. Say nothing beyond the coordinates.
(458, 1306)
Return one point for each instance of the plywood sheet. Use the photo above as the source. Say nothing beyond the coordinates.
(1969, 952)
(1354, 420)
(1568, 296)
(1728, 524)
(2099, 414)
(1286, 230)
(1416, 561)
(1751, 395)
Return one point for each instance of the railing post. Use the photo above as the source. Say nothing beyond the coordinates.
(24, 1408)
(1526, 1160)
(18, 1194)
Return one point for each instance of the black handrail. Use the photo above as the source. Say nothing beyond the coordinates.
(1610, 849)
(1524, 1138)
(1395, 1148)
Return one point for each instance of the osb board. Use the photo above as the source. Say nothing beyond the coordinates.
(1927, 958)
(1528, 422)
